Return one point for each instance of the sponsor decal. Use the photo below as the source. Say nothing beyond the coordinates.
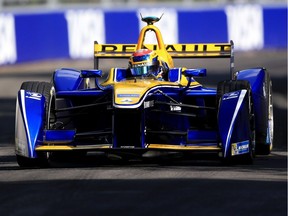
(240, 148)
(231, 95)
(127, 147)
(112, 48)
(175, 108)
(33, 95)
(128, 95)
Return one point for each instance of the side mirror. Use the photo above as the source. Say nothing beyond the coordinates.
(199, 72)
(91, 73)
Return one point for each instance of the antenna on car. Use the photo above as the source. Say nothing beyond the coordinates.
(150, 20)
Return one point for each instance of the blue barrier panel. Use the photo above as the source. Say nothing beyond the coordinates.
(203, 26)
(121, 27)
(41, 36)
(275, 23)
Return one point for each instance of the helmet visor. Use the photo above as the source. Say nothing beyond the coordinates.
(144, 70)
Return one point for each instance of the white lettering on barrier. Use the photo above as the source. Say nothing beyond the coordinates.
(168, 24)
(84, 27)
(245, 26)
(8, 53)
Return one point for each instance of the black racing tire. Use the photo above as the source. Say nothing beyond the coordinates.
(47, 90)
(264, 139)
(235, 85)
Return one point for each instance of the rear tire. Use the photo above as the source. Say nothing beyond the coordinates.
(47, 90)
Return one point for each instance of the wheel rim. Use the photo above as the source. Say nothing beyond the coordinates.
(270, 128)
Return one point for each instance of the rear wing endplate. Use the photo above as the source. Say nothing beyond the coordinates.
(209, 50)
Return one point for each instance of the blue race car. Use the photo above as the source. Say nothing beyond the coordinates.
(149, 106)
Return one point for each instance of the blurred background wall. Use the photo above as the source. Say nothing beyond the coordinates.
(32, 30)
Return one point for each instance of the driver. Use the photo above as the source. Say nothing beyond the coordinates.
(146, 63)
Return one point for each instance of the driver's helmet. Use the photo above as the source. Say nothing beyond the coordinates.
(144, 62)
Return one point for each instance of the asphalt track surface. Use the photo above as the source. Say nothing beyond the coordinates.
(167, 185)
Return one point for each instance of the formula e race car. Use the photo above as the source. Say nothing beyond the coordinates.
(149, 106)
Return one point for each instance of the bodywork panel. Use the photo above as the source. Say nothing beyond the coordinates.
(30, 111)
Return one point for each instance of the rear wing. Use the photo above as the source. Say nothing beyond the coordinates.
(219, 50)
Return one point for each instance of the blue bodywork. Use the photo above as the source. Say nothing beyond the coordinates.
(233, 120)
(30, 117)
